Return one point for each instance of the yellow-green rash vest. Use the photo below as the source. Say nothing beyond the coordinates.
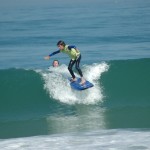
(73, 53)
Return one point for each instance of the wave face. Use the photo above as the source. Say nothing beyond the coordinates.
(21, 91)
(116, 81)
(127, 82)
(43, 102)
(19, 86)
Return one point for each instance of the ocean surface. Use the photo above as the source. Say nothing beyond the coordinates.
(39, 110)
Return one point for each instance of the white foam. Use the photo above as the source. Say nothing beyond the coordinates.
(58, 85)
(115, 139)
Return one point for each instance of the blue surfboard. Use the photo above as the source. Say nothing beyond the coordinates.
(77, 86)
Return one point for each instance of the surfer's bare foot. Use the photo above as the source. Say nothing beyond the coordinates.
(82, 81)
(73, 80)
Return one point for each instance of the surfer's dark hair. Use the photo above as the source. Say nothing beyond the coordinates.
(61, 43)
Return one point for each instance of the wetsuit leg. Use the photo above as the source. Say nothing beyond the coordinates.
(72, 62)
(77, 66)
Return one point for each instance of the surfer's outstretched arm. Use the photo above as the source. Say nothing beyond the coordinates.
(54, 53)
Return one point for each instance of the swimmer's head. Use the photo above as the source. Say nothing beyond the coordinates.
(55, 63)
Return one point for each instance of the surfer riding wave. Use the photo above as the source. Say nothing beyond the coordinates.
(75, 56)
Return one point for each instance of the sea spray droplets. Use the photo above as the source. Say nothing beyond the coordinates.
(58, 85)
(94, 71)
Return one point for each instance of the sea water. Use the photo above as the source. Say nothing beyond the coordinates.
(39, 110)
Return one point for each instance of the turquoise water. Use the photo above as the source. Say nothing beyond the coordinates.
(37, 103)
(107, 30)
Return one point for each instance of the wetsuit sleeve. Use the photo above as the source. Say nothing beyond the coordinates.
(71, 46)
(56, 52)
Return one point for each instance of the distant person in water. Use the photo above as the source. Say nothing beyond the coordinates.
(75, 56)
(55, 63)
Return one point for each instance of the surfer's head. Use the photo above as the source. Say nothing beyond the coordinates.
(55, 63)
(61, 45)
